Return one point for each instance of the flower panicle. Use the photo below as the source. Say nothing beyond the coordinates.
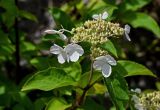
(96, 32)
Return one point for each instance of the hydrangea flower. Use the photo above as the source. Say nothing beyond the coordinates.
(59, 32)
(137, 90)
(137, 103)
(104, 63)
(127, 31)
(100, 16)
(71, 52)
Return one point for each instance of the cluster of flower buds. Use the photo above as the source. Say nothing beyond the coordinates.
(146, 101)
(96, 32)
(151, 101)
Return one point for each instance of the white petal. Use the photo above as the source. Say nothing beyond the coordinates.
(135, 98)
(127, 37)
(111, 60)
(74, 57)
(97, 65)
(51, 32)
(104, 15)
(127, 28)
(95, 16)
(102, 58)
(71, 48)
(62, 57)
(106, 70)
(63, 37)
(79, 49)
(55, 49)
(138, 90)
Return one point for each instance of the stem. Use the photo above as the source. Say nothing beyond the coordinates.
(80, 100)
(91, 73)
(17, 54)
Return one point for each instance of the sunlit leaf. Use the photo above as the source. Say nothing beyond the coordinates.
(57, 104)
(130, 68)
(48, 79)
(112, 48)
(142, 20)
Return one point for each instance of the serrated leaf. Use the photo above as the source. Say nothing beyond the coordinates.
(142, 20)
(130, 68)
(72, 69)
(48, 79)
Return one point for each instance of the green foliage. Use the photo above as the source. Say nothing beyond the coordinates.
(58, 104)
(57, 86)
(118, 90)
(59, 17)
(129, 68)
(48, 79)
(142, 20)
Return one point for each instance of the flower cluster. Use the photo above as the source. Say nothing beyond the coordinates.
(96, 32)
(147, 101)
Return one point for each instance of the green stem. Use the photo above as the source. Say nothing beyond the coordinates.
(91, 73)
(80, 101)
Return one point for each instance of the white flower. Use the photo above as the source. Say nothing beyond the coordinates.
(139, 107)
(60, 33)
(127, 31)
(62, 55)
(137, 90)
(74, 51)
(71, 52)
(137, 103)
(135, 98)
(100, 16)
(104, 63)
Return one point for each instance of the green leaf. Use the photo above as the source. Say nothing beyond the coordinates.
(57, 104)
(116, 92)
(48, 79)
(112, 48)
(130, 68)
(97, 89)
(91, 104)
(40, 103)
(4, 38)
(72, 69)
(101, 7)
(9, 15)
(142, 20)
(62, 18)
(85, 77)
(118, 89)
(39, 62)
(27, 15)
(133, 5)
(27, 46)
